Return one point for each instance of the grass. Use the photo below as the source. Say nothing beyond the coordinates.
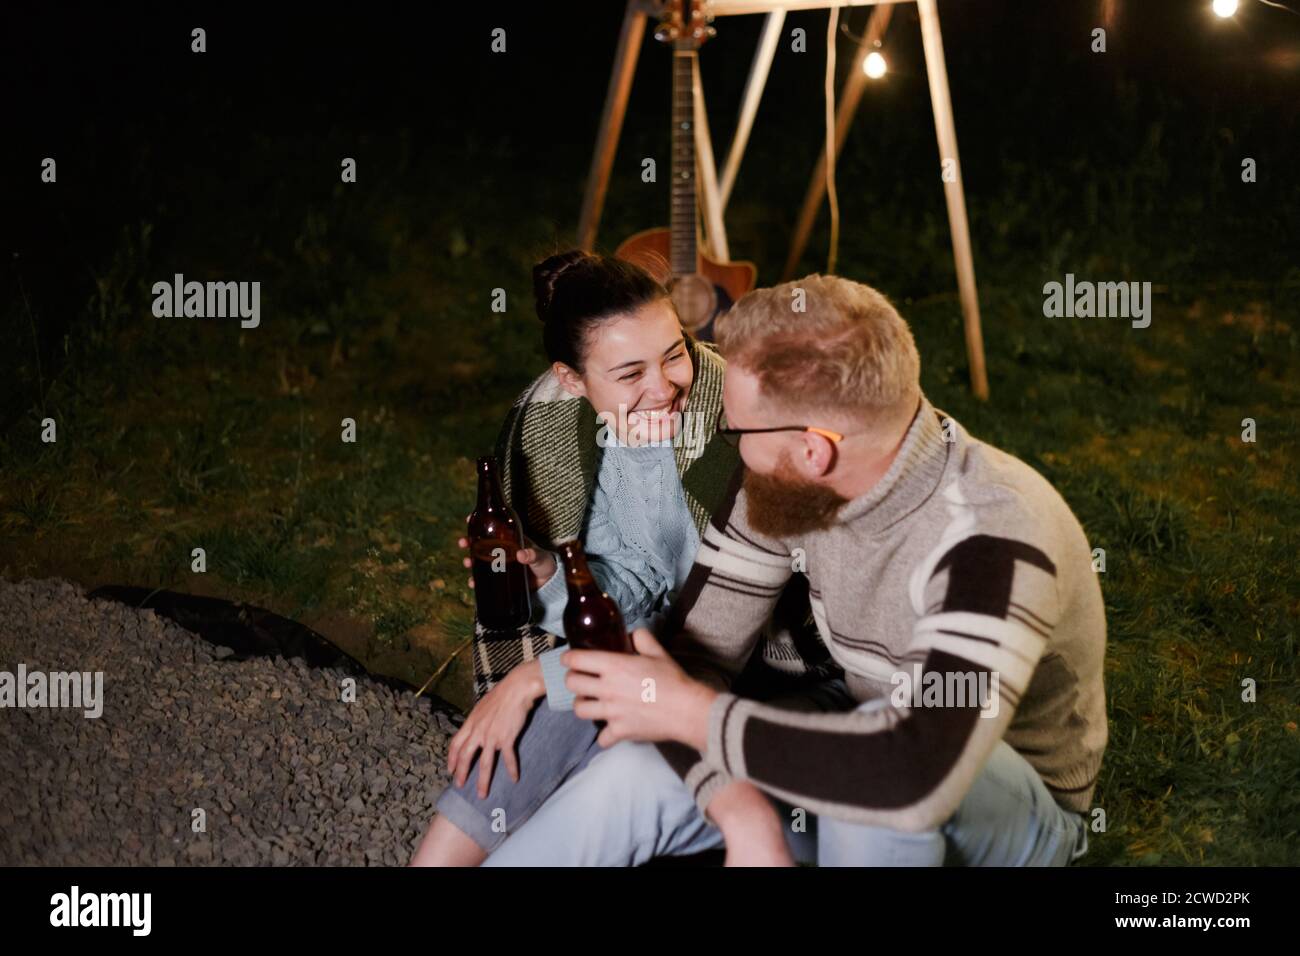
(200, 434)
(1144, 440)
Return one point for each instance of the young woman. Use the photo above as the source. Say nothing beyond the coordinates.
(617, 444)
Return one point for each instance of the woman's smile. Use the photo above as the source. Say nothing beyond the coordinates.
(654, 413)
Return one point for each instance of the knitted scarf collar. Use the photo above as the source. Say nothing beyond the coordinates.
(549, 452)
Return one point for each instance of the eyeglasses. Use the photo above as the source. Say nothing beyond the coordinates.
(733, 435)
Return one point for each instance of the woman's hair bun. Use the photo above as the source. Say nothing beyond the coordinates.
(546, 275)
(576, 291)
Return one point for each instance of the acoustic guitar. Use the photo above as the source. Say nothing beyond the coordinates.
(702, 288)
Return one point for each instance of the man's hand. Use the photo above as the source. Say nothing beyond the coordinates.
(641, 696)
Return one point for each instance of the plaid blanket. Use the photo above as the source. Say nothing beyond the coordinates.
(549, 457)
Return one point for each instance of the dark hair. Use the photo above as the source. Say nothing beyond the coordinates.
(577, 290)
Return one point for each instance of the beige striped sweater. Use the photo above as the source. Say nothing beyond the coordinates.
(962, 561)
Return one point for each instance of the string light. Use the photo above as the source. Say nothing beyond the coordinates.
(874, 65)
(1224, 8)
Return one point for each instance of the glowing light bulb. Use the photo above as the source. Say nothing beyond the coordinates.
(1224, 8)
(874, 65)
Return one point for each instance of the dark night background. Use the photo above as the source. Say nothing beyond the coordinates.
(1117, 166)
(144, 128)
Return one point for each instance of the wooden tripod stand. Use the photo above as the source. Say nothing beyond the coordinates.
(714, 192)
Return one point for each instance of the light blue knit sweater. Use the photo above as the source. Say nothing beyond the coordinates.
(640, 543)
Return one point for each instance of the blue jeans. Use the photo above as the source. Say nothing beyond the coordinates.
(553, 746)
(628, 805)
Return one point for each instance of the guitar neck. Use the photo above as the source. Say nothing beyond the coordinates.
(681, 218)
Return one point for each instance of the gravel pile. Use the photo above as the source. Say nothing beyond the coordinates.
(285, 771)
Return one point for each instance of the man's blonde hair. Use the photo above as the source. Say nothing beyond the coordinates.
(848, 350)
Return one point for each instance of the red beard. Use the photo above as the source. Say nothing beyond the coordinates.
(782, 504)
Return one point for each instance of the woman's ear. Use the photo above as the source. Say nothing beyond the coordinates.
(570, 380)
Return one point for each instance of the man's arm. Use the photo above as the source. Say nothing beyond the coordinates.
(719, 617)
(991, 605)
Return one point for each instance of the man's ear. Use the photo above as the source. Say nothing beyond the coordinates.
(817, 455)
(570, 380)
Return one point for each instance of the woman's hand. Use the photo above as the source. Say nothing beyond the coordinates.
(540, 562)
(494, 724)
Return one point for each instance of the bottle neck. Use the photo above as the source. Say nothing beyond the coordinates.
(490, 497)
(576, 573)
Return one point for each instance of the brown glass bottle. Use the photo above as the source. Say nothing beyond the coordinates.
(495, 535)
(592, 621)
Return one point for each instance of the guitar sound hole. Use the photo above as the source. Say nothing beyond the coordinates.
(695, 300)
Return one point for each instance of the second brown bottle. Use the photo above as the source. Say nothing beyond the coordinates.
(592, 620)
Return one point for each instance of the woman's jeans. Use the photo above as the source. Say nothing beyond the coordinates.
(628, 806)
(625, 805)
(553, 746)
